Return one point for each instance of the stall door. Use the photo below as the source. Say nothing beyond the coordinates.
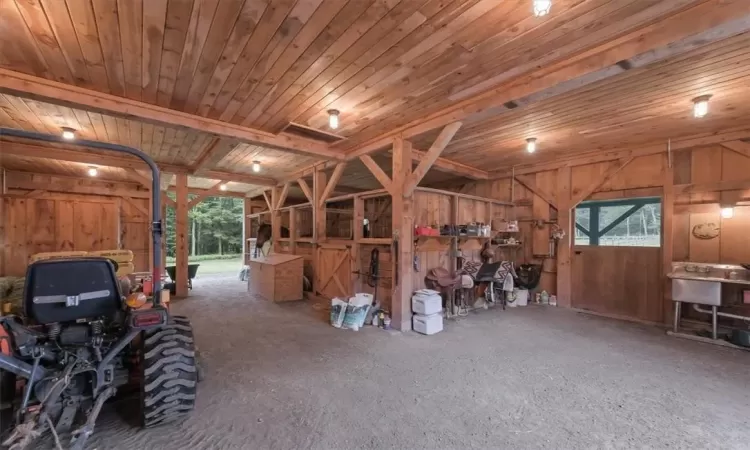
(334, 271)
(619, 281)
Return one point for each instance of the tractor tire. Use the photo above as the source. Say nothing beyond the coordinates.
(169, 373)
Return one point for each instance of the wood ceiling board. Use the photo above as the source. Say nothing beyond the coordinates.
(66, 168)
(708, 21)
(274, 163)
(638, 106)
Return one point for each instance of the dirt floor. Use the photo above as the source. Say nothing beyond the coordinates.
(278, 377)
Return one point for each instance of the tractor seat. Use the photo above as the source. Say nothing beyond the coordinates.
(66, 290)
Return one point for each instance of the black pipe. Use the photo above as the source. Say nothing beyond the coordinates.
(156, 226)
(20, 368)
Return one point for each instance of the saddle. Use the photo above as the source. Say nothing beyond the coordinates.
(441, 278)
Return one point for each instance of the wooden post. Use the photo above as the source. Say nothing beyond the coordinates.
(564, 245)
(319, 207)
(293, 231)
(357, 224)
(275, 220)
(667, 236)
(403, 234)
(181, 237)
(164, 234)
(247, 208)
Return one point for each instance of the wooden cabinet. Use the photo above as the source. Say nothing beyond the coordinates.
(276, 277)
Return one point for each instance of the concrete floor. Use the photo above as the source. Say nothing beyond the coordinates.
(278, 377)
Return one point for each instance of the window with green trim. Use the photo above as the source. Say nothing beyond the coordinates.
(633, 222)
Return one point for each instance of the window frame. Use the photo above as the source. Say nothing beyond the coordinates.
(594, 207)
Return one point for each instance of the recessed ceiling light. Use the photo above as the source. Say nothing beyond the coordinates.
(68, 133)
(700, 106)
(256, 166)
(333, 118)
(531, 145)
(93, 171)
(542, 7)
(223, 187)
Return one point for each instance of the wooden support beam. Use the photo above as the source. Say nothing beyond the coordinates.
(449, 166)
(613, 169)
(58, 183)
(403, 233)
(375, 169)
(565, 245)
(335, 177)
(604, 155)
(293, 230)
(282, 196)
(181, 237)
(319, 207)
(305, 189)
(716, 186)
(167, 201)
(275, 220)
(358, 225)
(707, 22)
(145, 212)
(741, 147)
(430, 157)
(24, 85)
(145, 182)
(530, 184)
(207, 193)
(268, 200)
(667, 237)
(213, 146)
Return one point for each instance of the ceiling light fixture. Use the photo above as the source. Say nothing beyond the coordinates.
(531, 145)
(700, 106)
(333, 118)
(256, 166)
(223, 187)
(727, 212)
(93, 171)
(68, 133)
(542, 7)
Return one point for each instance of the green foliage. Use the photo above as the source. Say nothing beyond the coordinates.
(208, 257)
(215, 228)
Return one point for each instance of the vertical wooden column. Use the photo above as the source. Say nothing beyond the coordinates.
(564, 245)
(293, 231)
(319, 185)
(181, 236)
(275, 220)
(163, 234)
(247, 208)
(358, 218)
(403, 234)
(667, 236)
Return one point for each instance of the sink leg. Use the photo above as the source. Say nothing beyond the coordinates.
(714, 320)
(677, 311)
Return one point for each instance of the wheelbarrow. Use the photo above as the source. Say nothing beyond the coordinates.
(192, 272)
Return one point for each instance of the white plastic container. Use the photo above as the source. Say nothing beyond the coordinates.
(428, 324)
(426, 302)
(522, 297)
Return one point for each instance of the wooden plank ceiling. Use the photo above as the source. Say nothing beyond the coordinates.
(383, 64)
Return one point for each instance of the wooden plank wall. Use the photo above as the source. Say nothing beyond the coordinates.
(643, 177)
(63, 223)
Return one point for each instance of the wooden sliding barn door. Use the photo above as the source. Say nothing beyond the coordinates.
(618, 281)
(334, 269)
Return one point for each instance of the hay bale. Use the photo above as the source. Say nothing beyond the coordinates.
(6, 284)
(15, 297)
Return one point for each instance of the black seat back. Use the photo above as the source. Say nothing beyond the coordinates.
(64, 290)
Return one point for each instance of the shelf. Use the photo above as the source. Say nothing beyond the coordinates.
(304, 239)
(285, 239)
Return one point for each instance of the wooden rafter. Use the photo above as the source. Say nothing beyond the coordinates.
(305, 189)
(268, 200)
(446, 165)
(590, 65)
(282, 196)
(59, 183)
(377, 172)
(716, 186)
(143, 181)
(207, 193)
(205, 155)
(613, 169)
(337, 172)
(430, 157)
(743, 148)
(166, 199)
(530, 184)
(598, 156)
(50, 91)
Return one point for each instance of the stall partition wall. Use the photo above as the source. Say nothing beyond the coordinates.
(71, 223)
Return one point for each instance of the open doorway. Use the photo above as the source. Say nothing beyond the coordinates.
(214, 238)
